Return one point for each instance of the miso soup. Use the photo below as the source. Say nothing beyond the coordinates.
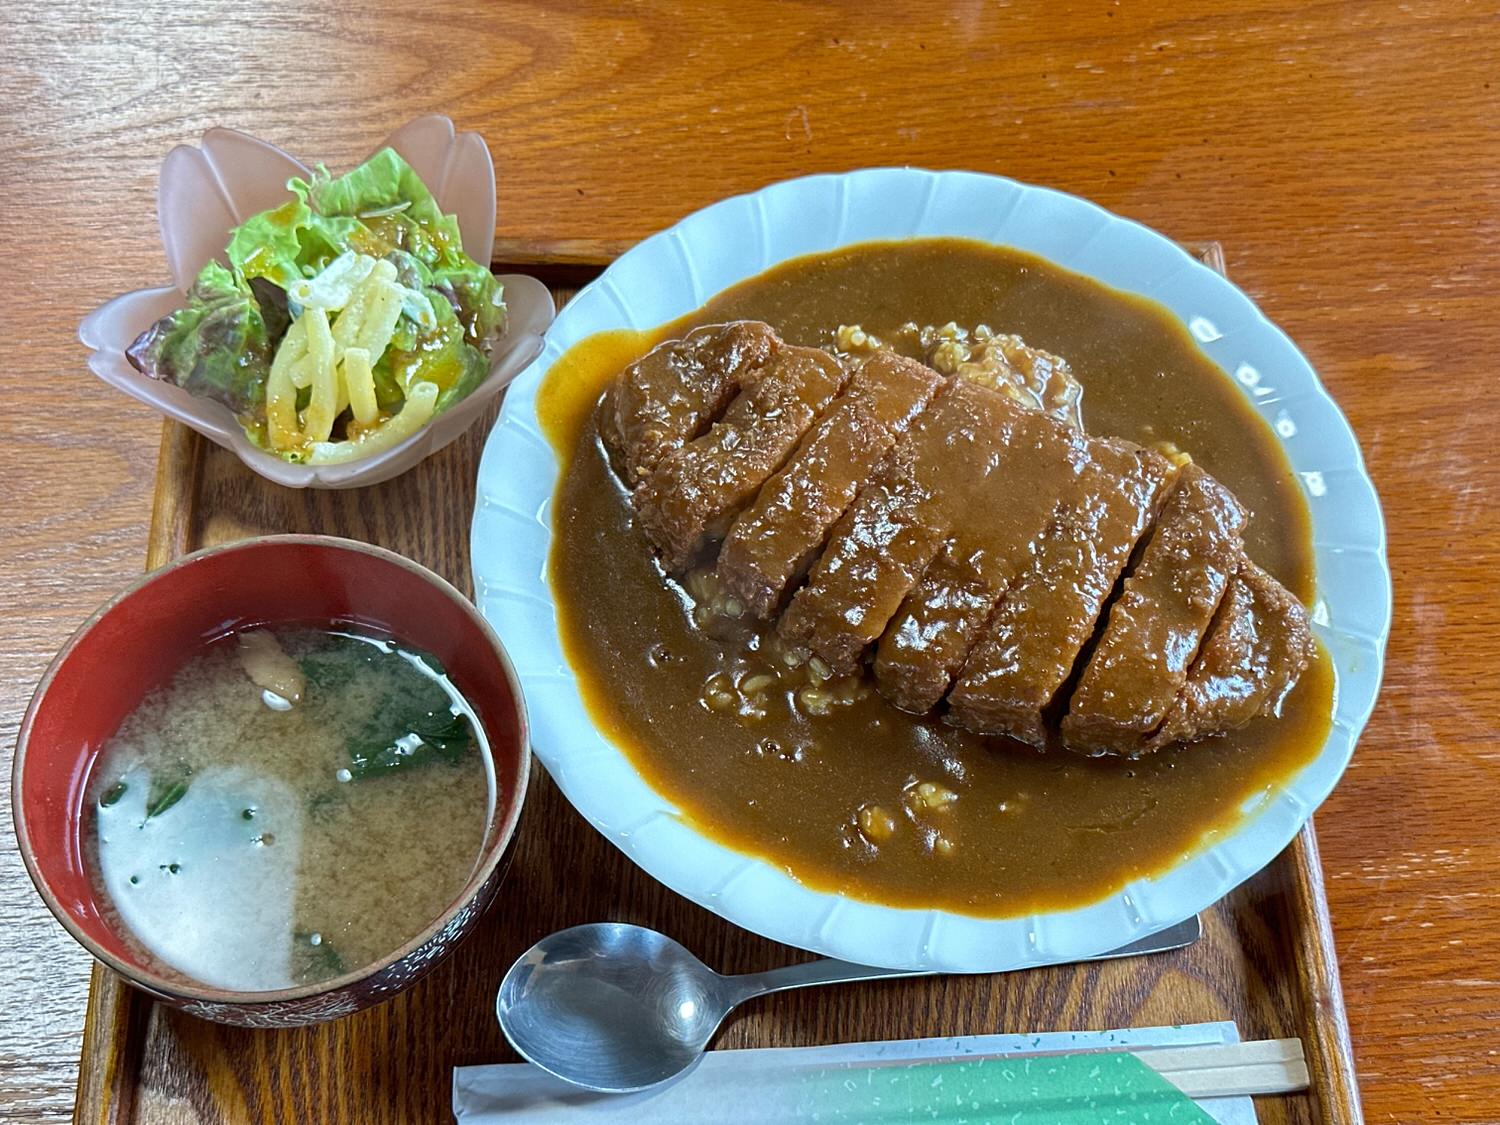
(296, 804)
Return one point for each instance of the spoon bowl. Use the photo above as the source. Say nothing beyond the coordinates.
(617, 1008)
(629, 1006)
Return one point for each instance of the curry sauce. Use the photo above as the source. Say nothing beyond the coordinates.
(863, 798)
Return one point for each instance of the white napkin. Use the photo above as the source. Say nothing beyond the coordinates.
(519, 1094)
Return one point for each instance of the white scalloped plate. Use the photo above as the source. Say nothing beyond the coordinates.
(678, 270)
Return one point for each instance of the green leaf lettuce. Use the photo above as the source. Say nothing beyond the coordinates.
(221, 343)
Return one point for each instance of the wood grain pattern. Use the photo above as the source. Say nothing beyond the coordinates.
(1345, 152)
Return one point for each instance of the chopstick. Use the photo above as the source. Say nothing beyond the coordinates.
(1223, 1070)
(1207, 1070)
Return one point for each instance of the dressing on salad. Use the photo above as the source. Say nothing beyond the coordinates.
(344, 320)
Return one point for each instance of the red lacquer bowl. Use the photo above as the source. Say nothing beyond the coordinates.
(138, 641)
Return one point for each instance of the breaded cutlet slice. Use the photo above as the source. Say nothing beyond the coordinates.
(696, 491)
(1153, 632)
(774, 540)
(671, 394)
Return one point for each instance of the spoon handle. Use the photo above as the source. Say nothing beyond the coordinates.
(829, 971)
(808, 973)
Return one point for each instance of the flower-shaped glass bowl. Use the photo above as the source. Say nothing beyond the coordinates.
(205, 192)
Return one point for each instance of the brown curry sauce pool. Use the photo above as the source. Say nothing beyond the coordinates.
(1029, 831)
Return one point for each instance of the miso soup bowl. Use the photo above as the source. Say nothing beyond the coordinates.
(137, 642)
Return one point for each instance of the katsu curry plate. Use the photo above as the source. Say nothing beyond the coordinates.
(932, 571)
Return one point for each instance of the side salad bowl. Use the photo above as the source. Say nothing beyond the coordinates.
(205, 192)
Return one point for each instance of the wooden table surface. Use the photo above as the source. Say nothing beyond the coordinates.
(1347, 155)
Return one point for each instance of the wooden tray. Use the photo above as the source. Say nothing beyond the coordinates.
(1266, 959)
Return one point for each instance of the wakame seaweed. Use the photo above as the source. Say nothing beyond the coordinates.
(413, 725)
(409, 732)
(164, 793)
(316, 960)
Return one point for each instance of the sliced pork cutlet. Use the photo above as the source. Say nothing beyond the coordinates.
(899, 522)
(1255, 651)
(1032, 640)
(776, 538)
(1154, 629)
(669, 396)
(696, 491)
(1041, 465)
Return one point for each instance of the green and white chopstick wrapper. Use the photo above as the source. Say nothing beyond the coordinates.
(966, 1079)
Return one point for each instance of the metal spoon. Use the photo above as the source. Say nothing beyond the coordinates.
(617, 1008)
